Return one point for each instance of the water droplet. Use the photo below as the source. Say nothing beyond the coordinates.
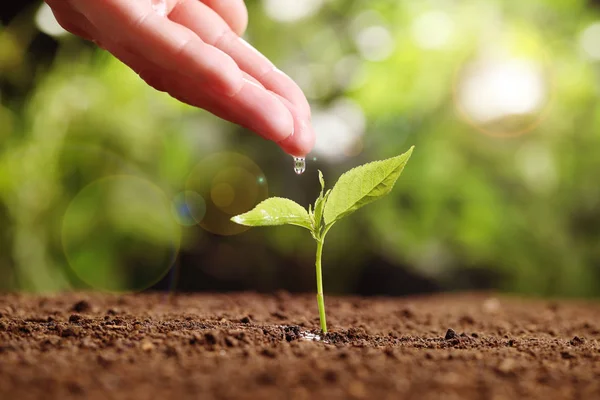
(299, 165)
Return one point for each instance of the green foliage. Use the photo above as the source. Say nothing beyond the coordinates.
(317, 216)
(275, 211)
(363, 185)
(355, 188)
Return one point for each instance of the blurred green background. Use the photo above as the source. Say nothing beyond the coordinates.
(108, 184)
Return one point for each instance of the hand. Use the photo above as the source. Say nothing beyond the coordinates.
(192, 49)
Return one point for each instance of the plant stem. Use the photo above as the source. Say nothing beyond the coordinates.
(320, 299)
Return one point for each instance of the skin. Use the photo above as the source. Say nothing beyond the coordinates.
(192, 50)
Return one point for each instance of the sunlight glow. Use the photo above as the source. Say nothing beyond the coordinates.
(375, 43)
(494, 90)
(291, 10)
(590, 41)
(339, 130)
(432, 30)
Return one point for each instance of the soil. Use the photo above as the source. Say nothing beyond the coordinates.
(250, 346)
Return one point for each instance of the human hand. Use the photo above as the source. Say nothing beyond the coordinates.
(192, 50)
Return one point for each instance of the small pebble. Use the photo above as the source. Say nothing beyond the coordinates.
(576, 341)
(450, 334)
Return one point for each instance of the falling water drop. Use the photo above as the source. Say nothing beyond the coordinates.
(299, 165)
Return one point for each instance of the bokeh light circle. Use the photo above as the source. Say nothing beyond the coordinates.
(118, 234)
(231, 184)
(222, 194)
(188, 208)
(507, 90)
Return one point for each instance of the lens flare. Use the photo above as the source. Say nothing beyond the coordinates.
(231, 184)
(222, 195)
(118, 234)
(188, 208)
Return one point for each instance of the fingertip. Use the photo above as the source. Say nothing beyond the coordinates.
(301, 142)
(234, 12)
(266, 114)
(239, 24)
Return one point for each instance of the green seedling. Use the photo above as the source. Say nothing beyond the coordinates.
(355, 188)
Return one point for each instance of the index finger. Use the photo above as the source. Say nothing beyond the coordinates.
(175, 48)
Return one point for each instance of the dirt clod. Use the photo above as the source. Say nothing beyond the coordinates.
(567, 355)
(70, 332)
(81, 306)
(211, 338)
(74, 318)
(451, 334)
(577, 341)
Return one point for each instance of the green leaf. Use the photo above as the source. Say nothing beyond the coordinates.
(317, 216)
(322, 181)
(275, 211)
(363, 185)
(319, 207)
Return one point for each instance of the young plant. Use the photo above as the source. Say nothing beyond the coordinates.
(355, 188)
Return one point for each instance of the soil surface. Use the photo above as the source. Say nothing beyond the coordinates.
(249, 346)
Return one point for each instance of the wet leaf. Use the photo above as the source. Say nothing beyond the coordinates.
(363, 185)
(275, 211)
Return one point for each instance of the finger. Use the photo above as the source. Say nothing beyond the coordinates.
(253, 110)
(251, 79)
(302, 141)
(234, 12)
(211, 28)
(257, 109)
(136, 26)
(270, 116)
(253, 106)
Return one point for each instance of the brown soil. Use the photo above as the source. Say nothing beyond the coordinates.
(248, 346)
